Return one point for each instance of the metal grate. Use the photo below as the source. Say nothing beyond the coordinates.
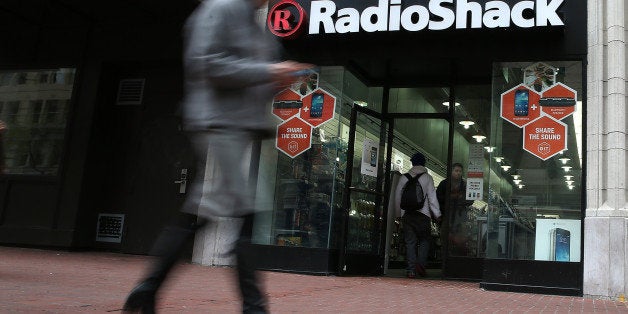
(109, 228)
(130, 92)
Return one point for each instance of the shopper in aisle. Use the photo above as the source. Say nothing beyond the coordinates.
(416, 221)
(231, 73)
(455, 211)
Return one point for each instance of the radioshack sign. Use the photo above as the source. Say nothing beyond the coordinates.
(287, 18)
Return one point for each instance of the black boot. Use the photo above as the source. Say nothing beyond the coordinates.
(168, 248)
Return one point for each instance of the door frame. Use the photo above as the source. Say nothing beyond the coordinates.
(370, 264)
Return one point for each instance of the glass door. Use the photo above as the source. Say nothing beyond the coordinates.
(363, 224)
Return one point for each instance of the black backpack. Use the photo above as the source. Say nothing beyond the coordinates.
(412, 197)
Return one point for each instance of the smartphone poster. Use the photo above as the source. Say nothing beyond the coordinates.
(319, 106)
(557, 240)
(370, 155)
(520, 105)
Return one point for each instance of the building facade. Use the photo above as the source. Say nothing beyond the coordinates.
(529, 96)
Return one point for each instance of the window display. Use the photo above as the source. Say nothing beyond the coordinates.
(307, 165)
(534, 203)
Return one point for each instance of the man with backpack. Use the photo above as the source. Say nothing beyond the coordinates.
(416, 196)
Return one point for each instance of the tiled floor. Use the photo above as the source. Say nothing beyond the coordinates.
(33, 280)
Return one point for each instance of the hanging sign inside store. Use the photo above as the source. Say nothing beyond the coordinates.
(475, 173)
(294, 137)
(520, 105)
(288, 18)
(319, 107)
(558, 101)
(545, 137)
(287, 104)
(370, 153)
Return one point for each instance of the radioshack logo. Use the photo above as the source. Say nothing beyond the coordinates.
(286, 19)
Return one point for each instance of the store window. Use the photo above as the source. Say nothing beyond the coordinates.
(535, 183)
(303, 169)
(34, 107)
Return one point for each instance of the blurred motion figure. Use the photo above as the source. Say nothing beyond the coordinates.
(231, 74)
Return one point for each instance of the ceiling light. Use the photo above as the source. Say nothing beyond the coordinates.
(521, 186)
(479, 138)
(489, 149)
(499, 159)
(506, 167)
(361, 103)
(568, 177)
(569, 182)
(516, 181)
(516, 176)
(570, 187)
(564, 160)
(446, 104)
(466, 123)
(566, 168)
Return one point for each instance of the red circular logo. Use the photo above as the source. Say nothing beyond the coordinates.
(286, 19)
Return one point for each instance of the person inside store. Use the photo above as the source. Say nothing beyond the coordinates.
(3, 129)
(231, 73)
(416, 222)
(455, 211)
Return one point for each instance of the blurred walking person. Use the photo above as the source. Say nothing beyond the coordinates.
(231, 74)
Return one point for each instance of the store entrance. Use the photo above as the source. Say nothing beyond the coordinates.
(411, 133)
(380, 147)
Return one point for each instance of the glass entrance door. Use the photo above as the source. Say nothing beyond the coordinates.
(409, 135)
(363, 211)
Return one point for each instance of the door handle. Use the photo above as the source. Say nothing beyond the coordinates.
(183, 182)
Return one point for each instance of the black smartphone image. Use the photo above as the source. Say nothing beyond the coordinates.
(316, 110)
(521, 102)
(560, 245)
(373, 156)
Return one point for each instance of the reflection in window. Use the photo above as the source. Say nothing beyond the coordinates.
(34, 104)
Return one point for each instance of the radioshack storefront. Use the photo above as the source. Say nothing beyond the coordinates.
(497, 86)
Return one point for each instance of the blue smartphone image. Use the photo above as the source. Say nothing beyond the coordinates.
(561, 245)
(316, 111)
(521, 102)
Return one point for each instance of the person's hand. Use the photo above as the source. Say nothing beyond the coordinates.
(283, 73)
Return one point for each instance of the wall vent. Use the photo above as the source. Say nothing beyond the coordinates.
(130, 92)
(109, 228)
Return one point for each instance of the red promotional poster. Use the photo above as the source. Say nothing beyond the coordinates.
(520, 105)
(318, 107)
(286, 104)
(294, 137)
(545, 137)
(559, 101)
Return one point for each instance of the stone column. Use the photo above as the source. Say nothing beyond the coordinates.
(606, 221)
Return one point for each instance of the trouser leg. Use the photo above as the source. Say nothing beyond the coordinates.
(410, 237)
(424, 239)
(253, 300)
(169, 247)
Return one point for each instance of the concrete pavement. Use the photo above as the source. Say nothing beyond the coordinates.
(49, 281)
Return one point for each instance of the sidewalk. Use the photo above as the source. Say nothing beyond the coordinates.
(33, 280)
